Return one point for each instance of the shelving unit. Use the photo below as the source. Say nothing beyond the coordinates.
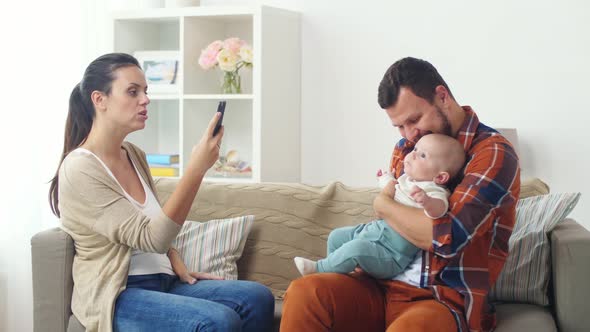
(262, 124)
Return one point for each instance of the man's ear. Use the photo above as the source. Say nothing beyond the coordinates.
(98, 100)
(442, 93)
(442, 178)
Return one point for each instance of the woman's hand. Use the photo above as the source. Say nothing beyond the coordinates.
(192, 277)
(206, 152)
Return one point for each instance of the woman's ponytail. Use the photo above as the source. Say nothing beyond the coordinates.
(78, 124)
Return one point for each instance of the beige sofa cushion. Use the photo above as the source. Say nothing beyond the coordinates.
(533, 187)
(290, 220)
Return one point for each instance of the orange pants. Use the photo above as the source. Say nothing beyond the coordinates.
(336, 302)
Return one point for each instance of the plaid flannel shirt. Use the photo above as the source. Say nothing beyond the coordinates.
(470, 243)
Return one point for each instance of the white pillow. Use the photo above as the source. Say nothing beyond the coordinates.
(213, 246)
(526, 273)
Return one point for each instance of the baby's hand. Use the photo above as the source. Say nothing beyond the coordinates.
(418, 195)
(384, 177)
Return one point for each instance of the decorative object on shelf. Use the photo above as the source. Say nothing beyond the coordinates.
(230, 165)
(182, 3)
(163, 170)
(163, 164)
(230, 55)
(162, 159)
(161, 70)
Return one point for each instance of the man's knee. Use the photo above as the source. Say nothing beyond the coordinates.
(315, 288)
(303, 288)
(424, 316)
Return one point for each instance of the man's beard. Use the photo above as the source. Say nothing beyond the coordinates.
(446, 124)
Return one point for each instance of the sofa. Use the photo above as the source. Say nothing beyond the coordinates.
(295, 220)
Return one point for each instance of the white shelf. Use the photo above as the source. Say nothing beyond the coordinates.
(262, 124)
(220, 96)
(173, 13)
(163, 97)
(228, 180)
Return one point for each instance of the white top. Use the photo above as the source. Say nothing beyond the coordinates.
(404, 186)
(142, 262)
(412, 273)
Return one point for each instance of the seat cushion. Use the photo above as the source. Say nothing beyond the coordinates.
(524, 317)
(74, 325)
(278, 313)
(511, 318)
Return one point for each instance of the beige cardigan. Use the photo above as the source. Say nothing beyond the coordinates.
(105, 226)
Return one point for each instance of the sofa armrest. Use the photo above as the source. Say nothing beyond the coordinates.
(52, 255)
(570, 254)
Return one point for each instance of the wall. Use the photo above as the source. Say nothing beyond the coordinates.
(40, 63)
(520, 64)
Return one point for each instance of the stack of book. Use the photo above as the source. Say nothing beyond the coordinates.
(163, 164)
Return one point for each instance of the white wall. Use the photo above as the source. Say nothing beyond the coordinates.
(521, 64)
(41, 62)
(518, 64)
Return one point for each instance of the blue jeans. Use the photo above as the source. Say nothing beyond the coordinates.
(375, 247)
(161, 302)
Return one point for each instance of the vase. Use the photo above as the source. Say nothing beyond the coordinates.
(231, 82)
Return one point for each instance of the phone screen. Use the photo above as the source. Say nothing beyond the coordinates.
(220, 108)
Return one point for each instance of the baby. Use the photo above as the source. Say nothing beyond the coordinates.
(375, 247)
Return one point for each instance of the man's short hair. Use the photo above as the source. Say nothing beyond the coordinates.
(418, 75)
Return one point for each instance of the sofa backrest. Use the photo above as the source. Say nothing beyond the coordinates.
(291, 220)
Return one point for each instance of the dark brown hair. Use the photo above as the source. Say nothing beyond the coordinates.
(99, 76)
(418, 75)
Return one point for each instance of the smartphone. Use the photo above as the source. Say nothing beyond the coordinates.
(220, 108)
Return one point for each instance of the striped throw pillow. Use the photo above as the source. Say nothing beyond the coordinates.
(525, 276)
(214, 246)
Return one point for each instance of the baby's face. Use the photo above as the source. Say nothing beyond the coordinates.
(424, 163)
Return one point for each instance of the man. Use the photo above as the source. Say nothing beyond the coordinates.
(446, 287)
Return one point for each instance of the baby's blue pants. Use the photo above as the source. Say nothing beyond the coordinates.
(375, 247)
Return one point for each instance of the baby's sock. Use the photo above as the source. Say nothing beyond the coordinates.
(305, 266)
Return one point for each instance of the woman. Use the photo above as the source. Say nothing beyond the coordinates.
(105, 198)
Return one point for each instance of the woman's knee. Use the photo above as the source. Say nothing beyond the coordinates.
(219, 318)
(258, 294)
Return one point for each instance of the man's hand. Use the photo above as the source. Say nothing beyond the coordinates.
(389, 188)
(385, 195)
(359, 273)
(192, 277)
